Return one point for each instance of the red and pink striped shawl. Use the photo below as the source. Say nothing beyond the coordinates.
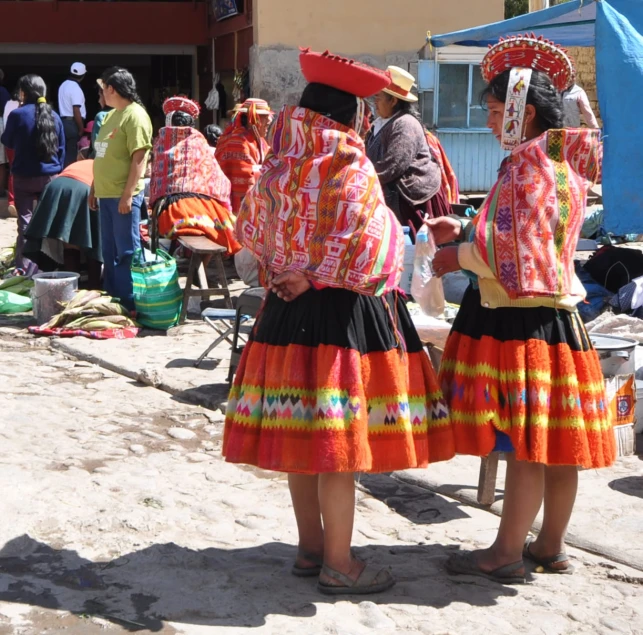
(318, 208)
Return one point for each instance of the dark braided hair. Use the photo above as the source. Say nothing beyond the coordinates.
(123, 82)
(212, 134)
(34, 89)
(330, 102)
(542, 95)
(182, 120)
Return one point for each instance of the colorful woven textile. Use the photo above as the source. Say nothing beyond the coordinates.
(528, 226)
(198, 216)
(240, 153)
(323, 387)
(318, 208)
(126, 333)
(449, 179)
(532, 374)
(184, 163)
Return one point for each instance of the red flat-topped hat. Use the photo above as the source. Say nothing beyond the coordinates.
(182, 104)
(529, 51)
(342, 73)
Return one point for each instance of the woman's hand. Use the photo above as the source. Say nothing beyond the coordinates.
(445, 229)
(446, 261)
(290, 285)
(92, 200)
(125, 205)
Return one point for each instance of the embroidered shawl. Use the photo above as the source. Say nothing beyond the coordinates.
(185, 163)
(528, 227)
(449, 179)
(240, 153)
(318, 208)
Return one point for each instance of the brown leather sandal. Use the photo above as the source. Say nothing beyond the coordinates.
(547, 564)
(465, 563)
(370, 580)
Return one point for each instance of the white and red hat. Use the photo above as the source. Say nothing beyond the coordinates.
(521, 55)
(402, 83)
(180, 103)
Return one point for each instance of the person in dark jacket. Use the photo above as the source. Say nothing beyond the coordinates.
(397, 146)
(35, 133)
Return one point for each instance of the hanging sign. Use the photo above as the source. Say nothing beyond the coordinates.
(224, 9)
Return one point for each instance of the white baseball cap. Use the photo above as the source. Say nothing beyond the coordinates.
(78, 69)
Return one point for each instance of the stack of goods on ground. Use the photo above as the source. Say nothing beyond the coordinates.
(613, 280)
(15, 295)
(91, 314)
(7, 258)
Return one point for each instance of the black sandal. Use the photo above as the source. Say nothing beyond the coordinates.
(547, 564)
(307, 572)
(465, 563)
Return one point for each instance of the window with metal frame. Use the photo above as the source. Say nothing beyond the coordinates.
(458, 97)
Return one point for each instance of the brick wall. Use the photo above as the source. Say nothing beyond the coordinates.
(585, 60)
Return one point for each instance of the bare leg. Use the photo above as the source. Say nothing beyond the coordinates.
(561, 484)
(337, 501)
(305, 502)
(524, 491)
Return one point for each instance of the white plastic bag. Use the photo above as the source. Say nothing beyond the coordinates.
(426, 289)
(247, 267)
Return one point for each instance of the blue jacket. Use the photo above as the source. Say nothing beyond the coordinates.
(20, 136)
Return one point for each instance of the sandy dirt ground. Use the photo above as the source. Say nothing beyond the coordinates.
(118, 515)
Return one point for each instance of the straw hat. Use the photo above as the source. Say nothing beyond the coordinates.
(260, 105)
(401, 85)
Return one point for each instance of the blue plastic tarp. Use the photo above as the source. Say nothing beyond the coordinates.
(569, 24)
(619, 77)
(615, 28)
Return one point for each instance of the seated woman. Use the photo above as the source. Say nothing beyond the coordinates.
(63, 230)
(188, 190)
(398, 148)
(242, 148)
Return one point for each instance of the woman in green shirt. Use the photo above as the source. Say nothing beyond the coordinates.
(122, 148)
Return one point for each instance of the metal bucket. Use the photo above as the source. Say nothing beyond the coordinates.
(50, 290)
(616, 354)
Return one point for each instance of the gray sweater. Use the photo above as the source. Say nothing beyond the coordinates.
(402, 158)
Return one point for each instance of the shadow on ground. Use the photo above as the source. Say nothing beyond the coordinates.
(16, 321)
(216, 587)
(416, 504)
(630, 485)
(208, 395)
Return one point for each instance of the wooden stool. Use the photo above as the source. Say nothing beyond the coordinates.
(203, 250)
(487, 479)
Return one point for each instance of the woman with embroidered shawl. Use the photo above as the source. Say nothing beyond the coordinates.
(519, 371)
(242, 147)
(334, 379)
(190, 193)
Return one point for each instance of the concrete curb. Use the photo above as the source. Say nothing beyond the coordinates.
(469, 498)
(210, 399)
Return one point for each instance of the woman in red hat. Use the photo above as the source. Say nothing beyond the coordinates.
(519, 370)
(334, 379)
(242, 147)
(188, 190)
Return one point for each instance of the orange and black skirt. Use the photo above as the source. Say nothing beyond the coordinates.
(336, 381)
(527, 380)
